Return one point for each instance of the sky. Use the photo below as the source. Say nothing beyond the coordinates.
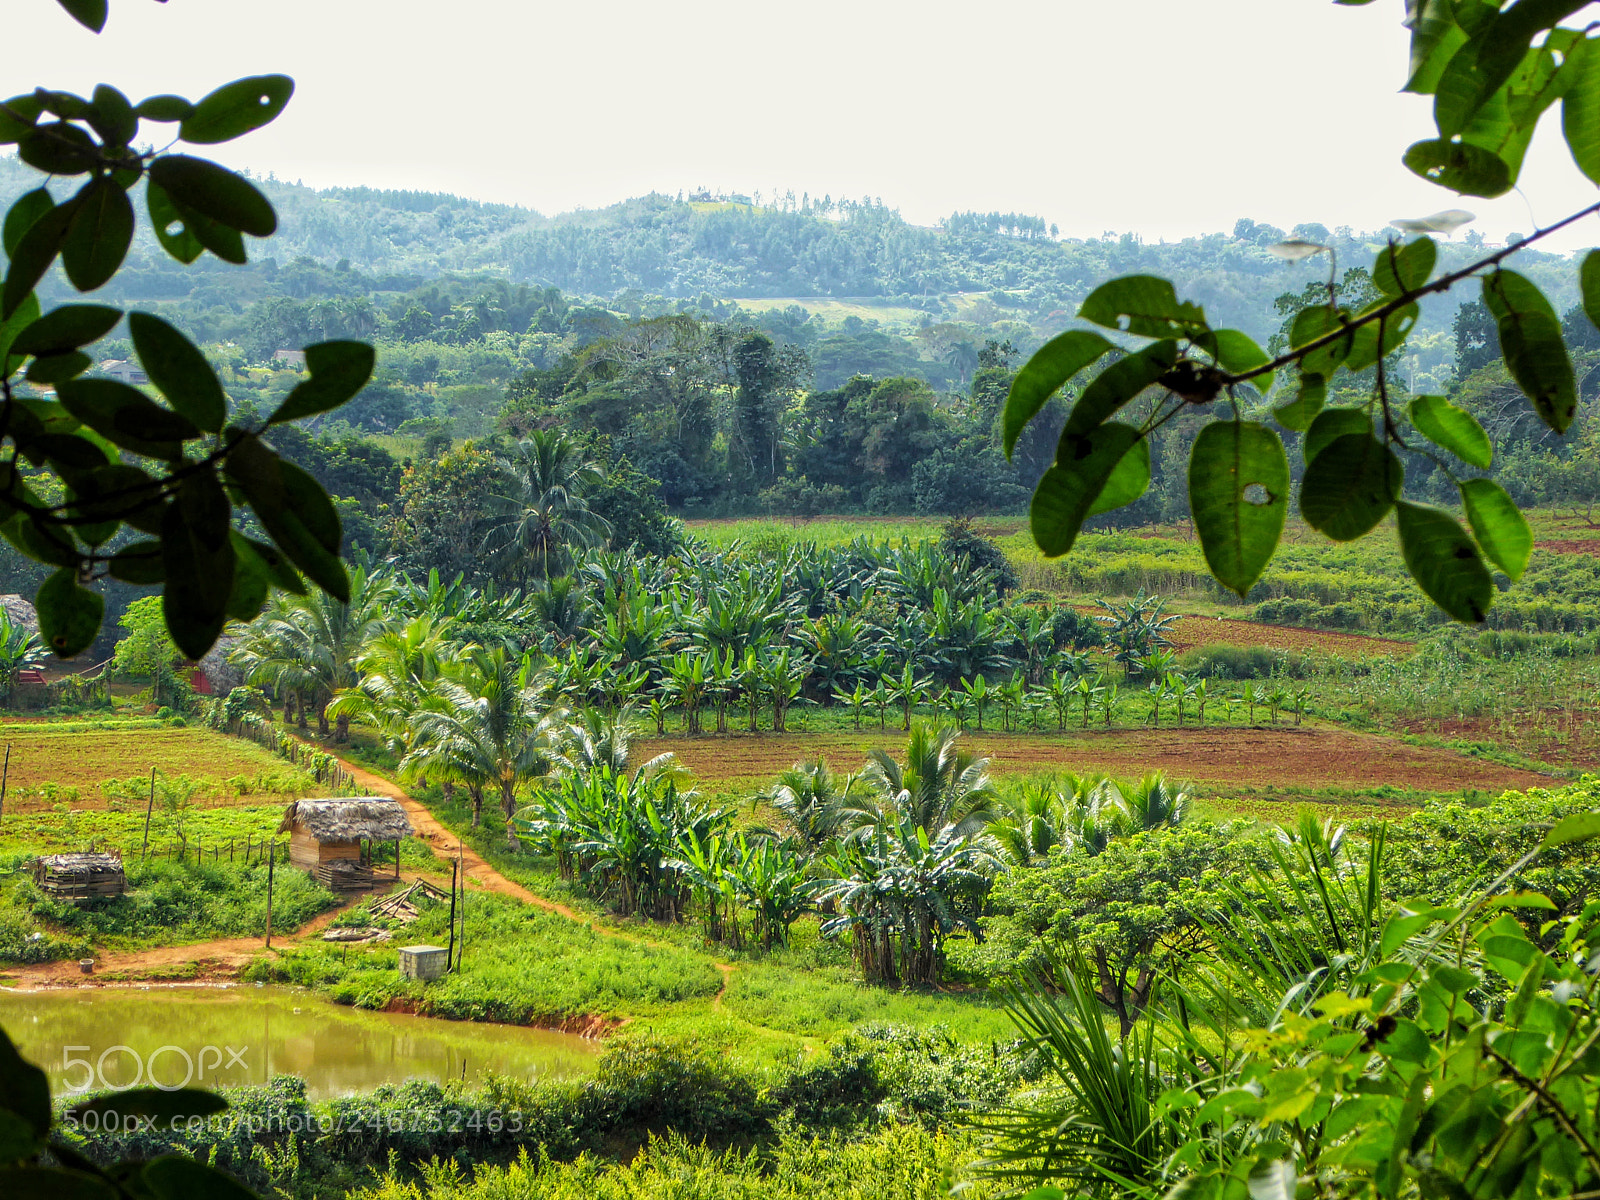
(1164, 118)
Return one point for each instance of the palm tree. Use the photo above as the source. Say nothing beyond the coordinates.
(941, 787)
(490, 728)
(813, 802)
(398, 669)
(310, 646)
(542, 514)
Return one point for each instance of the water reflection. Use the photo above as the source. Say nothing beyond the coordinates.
(211, 1037)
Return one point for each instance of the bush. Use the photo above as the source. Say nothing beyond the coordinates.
(1224, 661)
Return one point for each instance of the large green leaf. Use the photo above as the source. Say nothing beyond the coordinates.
(36, 250)
(91, 14)
(1379, 338)
(1453, 429)
(1499, 525)
(1404, 268)
(1580, 108)
(24, 211)
(25, 1098)
(1579, 827)
(197, 558)
(1310, 396)
(1350, 486)
(1332, 424)
(1128, 481)
(1589, 286)
(66, 328)
(1051, 366)
(69, 615)
(1146, 305)
(171, 229)
(98, 236)
(1312, 324)
(1239, 496)
(138, 563)
(1237, 353)
(1119, 383)
(294, 509)
(338, 371)
(164, 108)
(179, 369)
(1068, 490)
(58, 148)
(1460, 166)
(1435, 38)
(50, 1183)
(210, 189)
(236, 108)
(1534, 350)
(175, 1177)
(1444, 561)
(10, 327)
(127, 417)
(112, 116)
(153, 1102)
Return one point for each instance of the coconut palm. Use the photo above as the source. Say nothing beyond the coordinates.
(310, 646)
(941, 787)
(542, 515)
(490, 728)
(813, 801)
(398, 669)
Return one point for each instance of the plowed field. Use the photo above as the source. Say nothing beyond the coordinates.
(1187, 632)
(1213, 759)
(1591, 547)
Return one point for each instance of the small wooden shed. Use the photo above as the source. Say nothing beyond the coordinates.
(333, 838)
(80, 877)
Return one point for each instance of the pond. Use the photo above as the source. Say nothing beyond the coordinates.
(228, 1037)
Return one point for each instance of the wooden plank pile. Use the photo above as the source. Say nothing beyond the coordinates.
(402, 906)
(80, 877)
(346, 875)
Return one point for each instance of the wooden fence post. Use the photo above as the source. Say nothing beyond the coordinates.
(5, 774)
(450, 950)
(271, 846)
(148, 809)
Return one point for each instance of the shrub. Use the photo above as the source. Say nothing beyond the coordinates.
(1224, 661)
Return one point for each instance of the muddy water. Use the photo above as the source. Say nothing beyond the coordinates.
(227, 1037)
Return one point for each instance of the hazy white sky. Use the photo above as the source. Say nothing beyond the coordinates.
(1163, 117)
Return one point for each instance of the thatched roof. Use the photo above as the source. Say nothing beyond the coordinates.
(373, 817)
(223, 674)
(21, 612)
(81, 864)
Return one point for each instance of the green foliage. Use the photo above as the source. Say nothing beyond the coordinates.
(1492, 74)
(83, 439)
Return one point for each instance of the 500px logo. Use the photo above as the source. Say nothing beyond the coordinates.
(94, 1072)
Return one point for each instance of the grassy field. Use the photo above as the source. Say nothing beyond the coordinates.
(72, 762)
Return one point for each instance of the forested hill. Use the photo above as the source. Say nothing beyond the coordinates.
(982, 268)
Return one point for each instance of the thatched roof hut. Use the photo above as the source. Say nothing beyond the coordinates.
(333, 838)
(21, 612)
(80, 877)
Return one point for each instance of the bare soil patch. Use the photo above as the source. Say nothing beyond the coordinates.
(1305, 757)
(1190, 631)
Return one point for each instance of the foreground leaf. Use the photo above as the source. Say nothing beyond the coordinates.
(236, 108)
(1052, 365)
(1499, 525)
(1069, 489)
(69, 615)
(338, 371)
(1119, 383)
(1239, 495)
(1453, 429)
(178, 368)
(1444, 561)
(1534, 350)
(1350, 486)
(1145, 305)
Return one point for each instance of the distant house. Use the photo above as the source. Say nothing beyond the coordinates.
(124, 371)
(80, 878)
(290, 358)
(333, 838)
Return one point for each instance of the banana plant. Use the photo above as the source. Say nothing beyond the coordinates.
(1108, 699)
(1011, 694)
(1200, 692)
(977, 688)
(686, 681)
(783, 675)
(908, 691)
(856, 698)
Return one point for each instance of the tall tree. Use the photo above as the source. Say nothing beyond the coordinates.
(542, 514)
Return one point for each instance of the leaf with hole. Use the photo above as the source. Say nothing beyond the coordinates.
(24, 211)
(69, 615)
(1404, 268)
(1119, 383)
(171, 230)
(1499, 525)
(1052, 366)
(1350, 486)
(1239, 496)
(1444, 561)
(236, 108)
(1145, 305)
(66, 328)
(127, 417)
(202, 186)
(178, 368)
(1461, 167)
(98, 236)
(1453, 429)
(1067, 491)
(1534, 350)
